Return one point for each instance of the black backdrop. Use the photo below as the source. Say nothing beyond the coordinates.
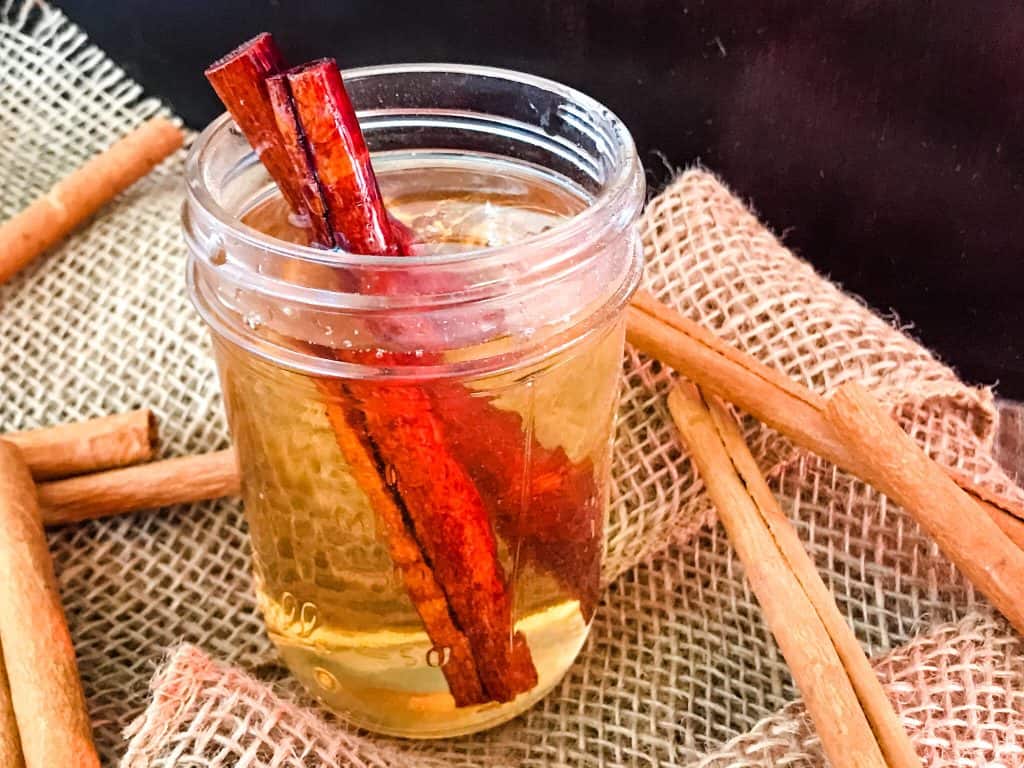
(884, 139)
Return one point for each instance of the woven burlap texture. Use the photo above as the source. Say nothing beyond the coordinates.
(679, 662)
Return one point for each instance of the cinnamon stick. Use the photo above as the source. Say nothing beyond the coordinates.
(239, 78)
(145, 486)
(87, 446)
(892, 738)
(890, 460)
(791, 610)
(765, 393)
(49, 705)
(10, 743)
(52, 217)
(428, 598)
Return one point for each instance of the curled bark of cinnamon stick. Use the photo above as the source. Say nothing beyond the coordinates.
(87, 446)
(451, 524)
(792, 610)
(49, 706)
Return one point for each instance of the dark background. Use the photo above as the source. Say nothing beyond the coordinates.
(882, 139)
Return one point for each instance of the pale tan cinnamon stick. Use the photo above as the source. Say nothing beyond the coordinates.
(890, 460)
(145, 486)
(87, 446)
(771, 397)
(892, 738)
(815, 661)
(10, 743)
(49, 706)
(52, 217)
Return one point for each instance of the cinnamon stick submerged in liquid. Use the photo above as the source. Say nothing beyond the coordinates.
(87, 446)
(783, 579)
(420, 581)
(326, 173)
(46, 692)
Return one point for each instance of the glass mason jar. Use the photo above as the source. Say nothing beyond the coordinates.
(425, 441)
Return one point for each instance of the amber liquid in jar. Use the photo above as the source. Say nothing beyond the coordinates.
(336, 606)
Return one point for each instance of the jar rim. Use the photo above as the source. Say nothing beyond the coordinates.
(616, 190)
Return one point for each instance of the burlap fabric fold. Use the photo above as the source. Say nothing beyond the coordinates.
(679, 664)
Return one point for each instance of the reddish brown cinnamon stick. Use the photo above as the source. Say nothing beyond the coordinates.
(286, 135)
(239, 80)
(452, 526)
(460, 670)
(447, 513)
(341, 160)
(295, 144)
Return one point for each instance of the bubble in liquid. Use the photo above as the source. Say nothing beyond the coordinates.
(438, 657)
(325, 679)
(290, 606)
(219, 257)
(308, 619)
(328, 330)
(390, 475)
(253, 320)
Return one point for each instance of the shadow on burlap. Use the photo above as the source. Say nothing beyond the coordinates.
(679, 669)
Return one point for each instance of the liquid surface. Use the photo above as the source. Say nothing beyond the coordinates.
(449, 207)
(534, 444)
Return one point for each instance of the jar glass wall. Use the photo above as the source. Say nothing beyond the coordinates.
(425, 441)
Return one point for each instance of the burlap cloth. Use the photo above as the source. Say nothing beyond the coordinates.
(679, 670)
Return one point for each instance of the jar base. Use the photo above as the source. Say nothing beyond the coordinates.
(415, 703)
(499, 714)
